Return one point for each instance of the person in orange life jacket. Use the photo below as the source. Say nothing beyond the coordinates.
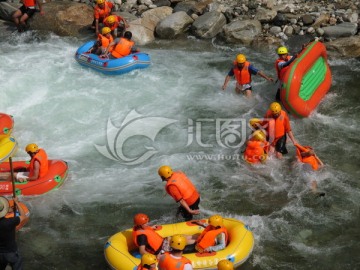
(25, 12)
(102, 10)
(281, 63)
(256, 147)
(145, 237)
(183, 191)
(281, 129)
(38, 164)
(148, 261)
(242, 70)
(213, 238)
(103, 42)
(117, 24)
(174, 260)
(8, 249)
(123, 46)
(225, 265)
(311, 163)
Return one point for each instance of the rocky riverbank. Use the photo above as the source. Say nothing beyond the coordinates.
(255, 23)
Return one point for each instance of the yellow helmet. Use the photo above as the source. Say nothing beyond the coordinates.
(31, 148)
(254, 122)
(225, 265)
(99, 2)
(258, 135)
(148, 259)
(275, 107)
(282, 50)
(216, 221)
(165, 171)
(178, 242)
(105, 30)
(240, 58)
(111, 19)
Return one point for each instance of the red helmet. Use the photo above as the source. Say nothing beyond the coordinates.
(141, 219)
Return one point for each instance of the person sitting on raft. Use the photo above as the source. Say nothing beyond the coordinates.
(213, 238)
(311, 163)
(146, 238)
(148, 261)
(175, 259)
(38, 165)
(103, 42)
(256, 148)
(122, 46)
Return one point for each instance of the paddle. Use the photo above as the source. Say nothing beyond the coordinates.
(12, 181)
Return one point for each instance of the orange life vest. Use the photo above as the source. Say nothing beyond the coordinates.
(103, 12)
(255, 151)
(280, 72)
(208, 236)
(282, 125)
(154, 240)
(42, 158)
(243, 75)
(105, 41)
(185, 187)
(122, 48)
(312, 160)
(167, 262)
(29, 3)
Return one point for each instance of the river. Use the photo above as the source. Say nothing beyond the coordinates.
(176, 114)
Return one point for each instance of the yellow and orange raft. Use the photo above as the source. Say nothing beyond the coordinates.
(306, 81)
(119, 250)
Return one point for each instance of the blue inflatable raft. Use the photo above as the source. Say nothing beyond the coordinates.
(111, 66)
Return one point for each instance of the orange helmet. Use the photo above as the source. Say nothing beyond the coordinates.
(275, 107)
(141, 219)
(165, 171)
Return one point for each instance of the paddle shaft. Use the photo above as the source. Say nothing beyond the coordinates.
(12, 181)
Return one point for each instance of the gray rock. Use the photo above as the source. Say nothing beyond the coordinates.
(345, 29)
(162, 3)
(307, 19)
(345, 47)
(265, 15)
(6, 10)
(209, 24)
(173, 25)
(243, 31)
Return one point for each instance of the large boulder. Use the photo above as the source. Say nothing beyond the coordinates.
(173, 25)
(143, 29)
(242, 31)
(344, 47)
(345, 29)
(209, 24)
(6, 10)
(63, 18)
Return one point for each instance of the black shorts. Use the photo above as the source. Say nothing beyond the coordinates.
(185, 214)
(28, 11)
(280, 145)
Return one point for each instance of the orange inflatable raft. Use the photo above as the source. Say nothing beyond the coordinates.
(56, 176)
(306, 81)
(11, 214)
(6, 125)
